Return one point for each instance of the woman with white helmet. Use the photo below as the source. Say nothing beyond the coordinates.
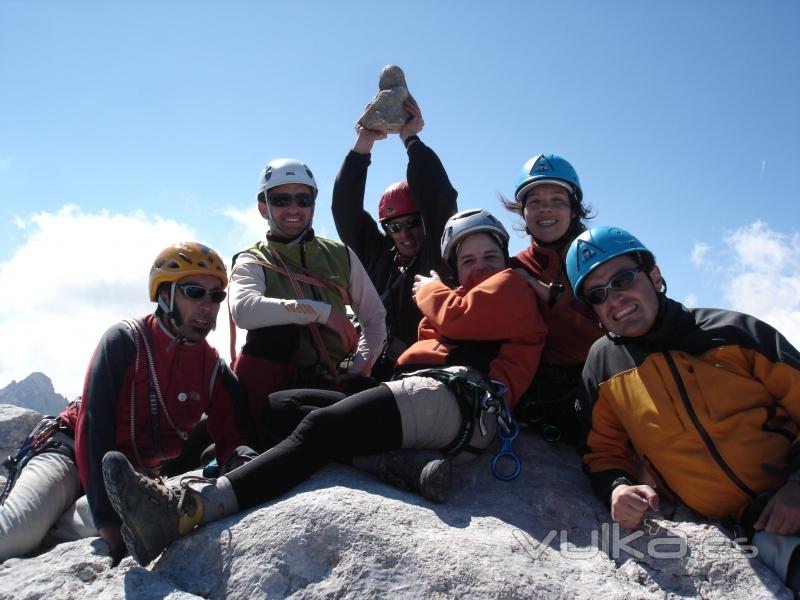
(478, 347)
(549, 198)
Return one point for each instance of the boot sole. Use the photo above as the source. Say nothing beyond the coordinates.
(116, 471)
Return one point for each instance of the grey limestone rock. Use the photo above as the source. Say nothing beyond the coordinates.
(34, 392)
(343, 534)
(385, 112)
(15, 424)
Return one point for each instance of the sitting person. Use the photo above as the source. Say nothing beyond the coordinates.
(290, 293)
(700, 406)
(479, 345)
(148, 384)
(549, 199)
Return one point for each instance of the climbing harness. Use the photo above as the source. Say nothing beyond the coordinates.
(38, 441)
(478, 397)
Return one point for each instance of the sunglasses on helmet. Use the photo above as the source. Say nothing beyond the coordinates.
(281, 200)
(398, 226)
(621, 281)
(198, 292)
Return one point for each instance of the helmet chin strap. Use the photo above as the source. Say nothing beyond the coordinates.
(171, 312)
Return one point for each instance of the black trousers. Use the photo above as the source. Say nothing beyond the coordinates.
(364, 423)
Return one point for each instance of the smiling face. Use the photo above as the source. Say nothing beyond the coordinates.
(197, 317)
(408, 241)
(548, 212)
(630, 312)
(288, 221)
(478, 257)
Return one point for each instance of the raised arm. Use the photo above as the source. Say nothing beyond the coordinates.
(355, 226)
(427, 178)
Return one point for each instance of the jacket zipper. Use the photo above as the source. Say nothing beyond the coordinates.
(701, 430)
(662, 480)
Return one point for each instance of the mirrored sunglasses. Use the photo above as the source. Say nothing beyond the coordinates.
(398, 226)
(620, 281)
(198, 292)
(303, 199)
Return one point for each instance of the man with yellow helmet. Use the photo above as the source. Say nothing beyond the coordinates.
(148, 385)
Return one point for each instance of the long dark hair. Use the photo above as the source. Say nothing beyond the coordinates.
(581, 213)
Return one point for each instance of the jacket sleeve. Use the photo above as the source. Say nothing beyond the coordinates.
(432, 190)
(606, 452)
(355, 226)
(111, 361)
(779, 371)
(498, 308)
(251, 309)
(371, 315)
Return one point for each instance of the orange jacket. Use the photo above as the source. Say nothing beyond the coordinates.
(571, 327)
(495, 327)
(707, 404)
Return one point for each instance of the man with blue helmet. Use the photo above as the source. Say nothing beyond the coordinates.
(549, 198)
(700, 406)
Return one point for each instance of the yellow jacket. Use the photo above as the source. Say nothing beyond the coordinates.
(707, 405)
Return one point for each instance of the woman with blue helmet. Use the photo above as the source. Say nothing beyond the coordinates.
(549, 198)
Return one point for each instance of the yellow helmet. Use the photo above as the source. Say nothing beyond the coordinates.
(181, 260)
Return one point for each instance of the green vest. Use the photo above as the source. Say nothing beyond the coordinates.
(327, 260)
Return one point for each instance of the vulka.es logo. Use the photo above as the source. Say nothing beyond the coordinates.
(609, 541)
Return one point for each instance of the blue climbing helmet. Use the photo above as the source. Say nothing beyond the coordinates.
(596, 246)
(548, 168)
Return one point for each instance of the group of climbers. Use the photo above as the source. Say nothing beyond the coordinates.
(574, 334)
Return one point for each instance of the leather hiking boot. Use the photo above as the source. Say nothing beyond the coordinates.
(425, 472)
(153, 514)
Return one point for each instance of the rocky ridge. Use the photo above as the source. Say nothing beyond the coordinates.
(343, 534)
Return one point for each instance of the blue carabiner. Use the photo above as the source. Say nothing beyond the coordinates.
(507, 452)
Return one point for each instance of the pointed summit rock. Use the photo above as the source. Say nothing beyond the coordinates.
(385, 112)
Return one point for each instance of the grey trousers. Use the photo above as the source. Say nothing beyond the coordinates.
(45, 506)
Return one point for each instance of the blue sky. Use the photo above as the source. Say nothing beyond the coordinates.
(126, 125)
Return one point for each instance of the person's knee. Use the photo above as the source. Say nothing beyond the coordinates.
(320, 429)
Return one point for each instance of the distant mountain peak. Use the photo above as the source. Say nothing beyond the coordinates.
(35, 392)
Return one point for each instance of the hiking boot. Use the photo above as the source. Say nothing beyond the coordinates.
(152, 514)
(426, 472)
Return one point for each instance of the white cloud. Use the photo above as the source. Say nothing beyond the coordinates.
(690, 301)
(252, 226)
(764, 279)
(699, 252)
(75, 275)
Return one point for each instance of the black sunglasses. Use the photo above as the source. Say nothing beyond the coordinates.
(398, 226)
(303, 200)
(198, 292)
(620, 281)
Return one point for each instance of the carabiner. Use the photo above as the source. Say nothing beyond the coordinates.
(506, 452)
